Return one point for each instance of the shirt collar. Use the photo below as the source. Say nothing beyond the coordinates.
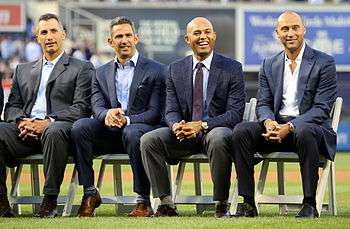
(133, 59)
(300, 55)
(206, 62)
(52, 61)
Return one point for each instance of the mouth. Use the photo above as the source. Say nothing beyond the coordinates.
(50, 44)
(203, 44)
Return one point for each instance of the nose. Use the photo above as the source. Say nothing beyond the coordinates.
(202, 36)
(290, 33)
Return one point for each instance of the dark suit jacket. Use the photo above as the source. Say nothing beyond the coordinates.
(68, 90)
(146, 96)
(225, 92)
(1, 96)
(316, 92)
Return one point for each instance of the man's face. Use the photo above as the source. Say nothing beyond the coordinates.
(123, 40)
(50, 35)
(201, 37)
(290, 30)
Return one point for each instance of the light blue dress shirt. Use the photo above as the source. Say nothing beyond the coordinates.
(206, 69)
(39, 109)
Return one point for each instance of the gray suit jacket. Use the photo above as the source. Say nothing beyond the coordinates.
(68, 90)
(225, 92)
(146, 96)
(316, 92)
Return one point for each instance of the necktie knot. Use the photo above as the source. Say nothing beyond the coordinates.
(199, 65)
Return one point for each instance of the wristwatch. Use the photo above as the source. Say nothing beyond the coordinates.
(291, 126)
(205, 126)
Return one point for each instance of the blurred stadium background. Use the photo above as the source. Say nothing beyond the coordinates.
(245, 30)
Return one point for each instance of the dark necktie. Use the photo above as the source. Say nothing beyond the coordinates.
(197, 103)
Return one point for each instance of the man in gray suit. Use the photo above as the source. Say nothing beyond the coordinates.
(47, 96)
(297, 89)
(205, 100)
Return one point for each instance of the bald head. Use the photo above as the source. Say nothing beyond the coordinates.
(288, 16)
(198, 21)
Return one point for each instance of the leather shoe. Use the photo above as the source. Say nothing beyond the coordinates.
(141, 210)
(5, 209)
(165, 210)
(245, 209)
(307, 211)
(221, 211)
(48, 208)
(88, 205)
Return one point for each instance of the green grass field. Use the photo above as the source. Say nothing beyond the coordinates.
(269, 216)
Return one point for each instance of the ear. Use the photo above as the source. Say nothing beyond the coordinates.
(136, 39)
(187, 40)
(109, 41)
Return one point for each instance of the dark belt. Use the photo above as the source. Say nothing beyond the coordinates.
(285, 118)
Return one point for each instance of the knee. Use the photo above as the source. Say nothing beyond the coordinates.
(219, 136)
(131, 134)
(240, 131)
(304, 134)
(54, 132)
(79, 127)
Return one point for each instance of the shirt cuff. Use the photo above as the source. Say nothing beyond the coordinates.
(127, 120)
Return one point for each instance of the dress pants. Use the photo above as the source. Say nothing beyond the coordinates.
(54, 145)
(92, 138)
(306, 141)
(161, 146)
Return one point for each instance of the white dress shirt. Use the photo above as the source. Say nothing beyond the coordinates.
(290, 86)
(39, 109)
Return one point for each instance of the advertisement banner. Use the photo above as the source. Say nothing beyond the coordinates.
(328, 31)
(12, 17)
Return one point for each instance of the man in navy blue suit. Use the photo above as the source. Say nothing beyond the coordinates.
(205, 100)
(297, 89)
(128, 94)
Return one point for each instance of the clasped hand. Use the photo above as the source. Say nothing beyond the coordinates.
(32, 128)
(275, 132)
(115, 118)
(187, 130)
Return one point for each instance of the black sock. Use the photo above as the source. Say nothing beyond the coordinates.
(249, 200)
(51, 197)
(310, 200)
(90, 191)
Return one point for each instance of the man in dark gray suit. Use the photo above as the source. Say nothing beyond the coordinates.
(47, 96)
(297, 89)
(128, 96)
(205, 100)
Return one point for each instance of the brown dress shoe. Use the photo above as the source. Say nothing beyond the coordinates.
(5, 209)
(88, 205)
(48, 208)
(165, 210)
(141, 210)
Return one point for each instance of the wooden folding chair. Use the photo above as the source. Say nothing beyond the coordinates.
(327, 177)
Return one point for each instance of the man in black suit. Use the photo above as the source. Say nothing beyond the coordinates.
(297, 89)
(1, 96)
(205, 100)
(128, 95)
(47, 96)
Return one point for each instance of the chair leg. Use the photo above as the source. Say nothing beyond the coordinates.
(101, 175)
(71, 193)
(281, 186)
(14, 188)
(322, 185)
(178, 180)
(332, 191)
(118, 185)
(35, 184)
(200, 208)
(234, 200)
(261, 182)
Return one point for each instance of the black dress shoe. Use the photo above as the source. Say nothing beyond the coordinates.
(307, 211)
(5, 209)
(246, 210)
(48, 208)
(221, 211)
(165, 210)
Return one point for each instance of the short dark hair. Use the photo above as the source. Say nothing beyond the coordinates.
(122, 21)
(48, 16)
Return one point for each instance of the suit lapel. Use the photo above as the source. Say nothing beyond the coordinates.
(214, 73)
(136, 80)
(35, 77)
(110, 80)
(59, 68)
(277, 76)
(304, 72)
(187, 74)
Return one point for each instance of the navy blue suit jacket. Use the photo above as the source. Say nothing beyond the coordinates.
(146, 96)
(316, 92)
(225, 92)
